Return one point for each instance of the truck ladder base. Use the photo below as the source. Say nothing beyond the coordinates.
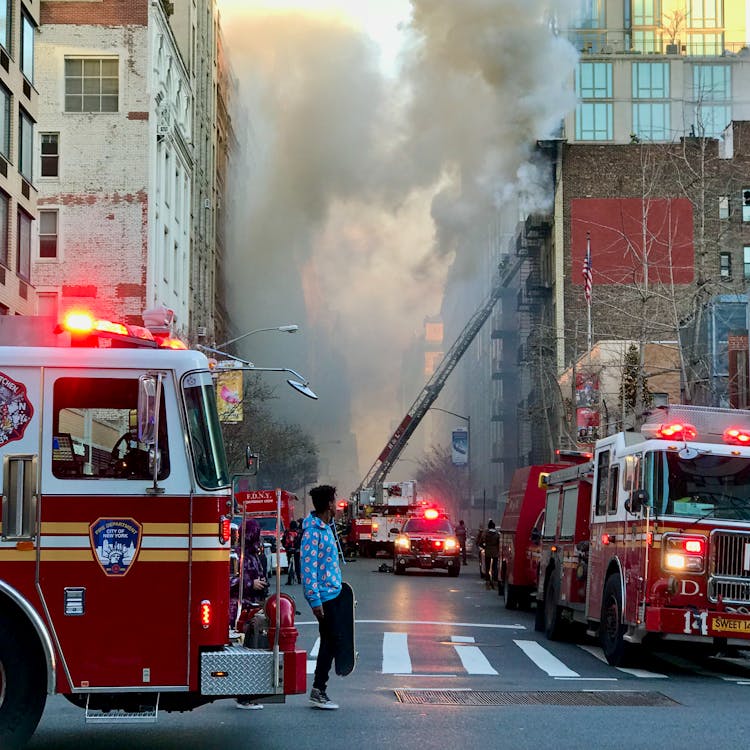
(148, 714)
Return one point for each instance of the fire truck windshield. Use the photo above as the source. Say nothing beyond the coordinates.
(206, 443)
(707, 485)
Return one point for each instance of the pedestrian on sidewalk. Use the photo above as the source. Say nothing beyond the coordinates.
(321, 581)
(461, 536)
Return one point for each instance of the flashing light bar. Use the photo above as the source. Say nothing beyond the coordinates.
(736, 436)
(431, 514)
(83, 327)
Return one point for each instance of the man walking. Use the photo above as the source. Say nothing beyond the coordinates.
(321, 581)
(461, 536)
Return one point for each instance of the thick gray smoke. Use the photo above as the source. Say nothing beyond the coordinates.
(353, 189)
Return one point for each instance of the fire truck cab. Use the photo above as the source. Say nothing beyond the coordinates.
(115, 534)
(652, 538)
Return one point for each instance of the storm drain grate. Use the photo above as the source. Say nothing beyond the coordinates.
(536, 698)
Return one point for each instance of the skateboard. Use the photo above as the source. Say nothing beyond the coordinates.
(346, 656)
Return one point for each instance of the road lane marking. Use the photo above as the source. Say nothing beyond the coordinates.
(472, 658)
(545, 660)
(597, 653)
(313, 657)
(396, 659)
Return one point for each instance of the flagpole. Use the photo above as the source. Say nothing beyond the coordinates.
(588, 296)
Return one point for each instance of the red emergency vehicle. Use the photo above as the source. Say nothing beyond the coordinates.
(520, 529)
(115, 536)
(651, 540)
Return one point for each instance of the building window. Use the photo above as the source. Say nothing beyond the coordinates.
(705, 44)
(23, 259)
(25, 145)
(746, 204)
(91, 84)
(646, 41)
(725, 265)
(4, 216)
(46, 304)
(5, 122)
(646, 12)
(712, 89)
(705, 14)
(27, 47)
(651, 80)
(594, 120)
(4, 310)
(591, 15)
(5, 18)
(651, 121)
(723, 206)
(746, 262)
(48, 233)
(594, 80)
(50, 154)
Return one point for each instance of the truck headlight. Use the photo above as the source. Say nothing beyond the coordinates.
(451, 544)
(402, 543)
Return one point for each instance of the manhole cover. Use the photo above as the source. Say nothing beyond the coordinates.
(536, 698)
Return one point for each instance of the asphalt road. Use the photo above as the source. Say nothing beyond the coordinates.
(425, 632)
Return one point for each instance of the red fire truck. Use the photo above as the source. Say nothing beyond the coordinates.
(520, 528)
(651, 539)
(115, 532)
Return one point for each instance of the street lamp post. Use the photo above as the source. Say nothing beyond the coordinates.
(284, 329)
(468, 436)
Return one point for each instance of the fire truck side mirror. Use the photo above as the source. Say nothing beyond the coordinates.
(147, 387)
(630, 474)
(636, 501)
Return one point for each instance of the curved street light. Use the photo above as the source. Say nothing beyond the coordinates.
(284, 329)
(302, 384)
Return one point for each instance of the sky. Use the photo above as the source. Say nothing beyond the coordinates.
(373, 138)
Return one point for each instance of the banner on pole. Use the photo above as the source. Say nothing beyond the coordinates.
(229, 396)
(460, 447)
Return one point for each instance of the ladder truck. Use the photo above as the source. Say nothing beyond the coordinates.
(371, 486)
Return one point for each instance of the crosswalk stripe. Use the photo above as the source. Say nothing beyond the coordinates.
(472, 658)
(396, 659)
(313, 657)
(545, 660)
(596, 652)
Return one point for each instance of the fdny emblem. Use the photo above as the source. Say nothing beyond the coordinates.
(15, 410)
(115, 542)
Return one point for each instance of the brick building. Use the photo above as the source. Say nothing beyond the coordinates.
(115, 182)
(19, 99)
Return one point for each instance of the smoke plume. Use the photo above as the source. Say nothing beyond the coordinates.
(354, 189)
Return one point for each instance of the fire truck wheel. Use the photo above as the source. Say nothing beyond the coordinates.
(553, 621)
(22, 687)
(611, 629)
(399, 569)
(512, 598)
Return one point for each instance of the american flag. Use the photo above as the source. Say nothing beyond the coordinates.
(587, 276)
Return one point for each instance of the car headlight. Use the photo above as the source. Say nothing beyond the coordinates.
(451, 544)
(402, 543)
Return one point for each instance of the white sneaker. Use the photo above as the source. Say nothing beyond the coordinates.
(234, 635)
(319, 699)
(247, 705)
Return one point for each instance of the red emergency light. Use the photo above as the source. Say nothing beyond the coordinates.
(225, 529)
(676, 431)
(736, 436)
(205, 613)
(431, 514)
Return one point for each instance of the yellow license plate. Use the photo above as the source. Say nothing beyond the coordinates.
(729, 625)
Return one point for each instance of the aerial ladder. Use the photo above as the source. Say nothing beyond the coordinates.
(371, 485)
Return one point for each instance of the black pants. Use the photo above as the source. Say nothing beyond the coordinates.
(329, 638)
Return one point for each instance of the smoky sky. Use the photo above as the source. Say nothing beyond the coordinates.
(352, 189)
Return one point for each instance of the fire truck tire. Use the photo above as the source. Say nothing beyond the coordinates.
(553, 621)
(23, 690)
(611, 628)
(512, 598)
